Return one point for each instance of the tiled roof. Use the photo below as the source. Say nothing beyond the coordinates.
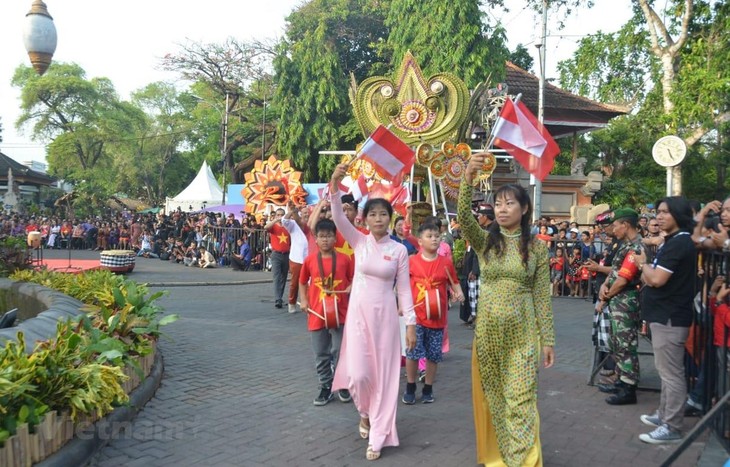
(22, 173)
(560, 105)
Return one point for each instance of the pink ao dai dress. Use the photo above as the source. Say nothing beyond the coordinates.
(369, 363)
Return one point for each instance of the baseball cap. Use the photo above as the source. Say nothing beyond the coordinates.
(487, 211)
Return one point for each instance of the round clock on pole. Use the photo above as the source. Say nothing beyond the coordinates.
(669, 151)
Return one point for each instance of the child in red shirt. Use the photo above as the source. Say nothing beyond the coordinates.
(431, 275)
(324, 285)
(557, 264)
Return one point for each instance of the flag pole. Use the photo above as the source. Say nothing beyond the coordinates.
(432, 192)
(446, 209)
(537, 184)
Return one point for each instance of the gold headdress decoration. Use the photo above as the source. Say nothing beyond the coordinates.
(272, 181)
(415, 109)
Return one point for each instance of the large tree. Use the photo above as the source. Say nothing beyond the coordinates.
(234, 72)
(447, 36)
(326, 40)
(671, 67)
(150, 165)
(78, 117)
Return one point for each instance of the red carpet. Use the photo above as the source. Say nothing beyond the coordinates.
(76, 266)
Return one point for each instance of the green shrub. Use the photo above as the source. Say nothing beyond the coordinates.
(81, 368)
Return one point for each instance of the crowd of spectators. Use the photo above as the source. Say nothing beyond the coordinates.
(192, 239)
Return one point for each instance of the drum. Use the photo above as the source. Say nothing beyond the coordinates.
(330, 312)
(34, 239)
(120, 261)
(433, 304)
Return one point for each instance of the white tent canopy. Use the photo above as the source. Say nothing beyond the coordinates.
(204, 189)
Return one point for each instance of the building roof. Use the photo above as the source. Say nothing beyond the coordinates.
(565, 113)
(22, 174)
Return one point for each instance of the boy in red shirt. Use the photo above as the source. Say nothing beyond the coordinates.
(431, 276)
(324, 285)
(557, 264)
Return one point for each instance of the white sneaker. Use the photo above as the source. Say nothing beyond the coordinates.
(651, 420)
(661, 435)
(292, 308)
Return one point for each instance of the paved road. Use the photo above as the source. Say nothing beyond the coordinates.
(239, 383)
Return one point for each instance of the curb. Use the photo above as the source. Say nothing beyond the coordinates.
(87, 441)
(203, 284)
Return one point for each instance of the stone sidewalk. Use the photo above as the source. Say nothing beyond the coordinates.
(239, 382)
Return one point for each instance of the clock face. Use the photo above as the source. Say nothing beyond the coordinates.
(669, 151)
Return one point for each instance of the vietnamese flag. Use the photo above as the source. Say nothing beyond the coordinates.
(387, 153)
(518, 132)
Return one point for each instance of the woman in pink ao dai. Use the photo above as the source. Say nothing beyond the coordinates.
(369, 363)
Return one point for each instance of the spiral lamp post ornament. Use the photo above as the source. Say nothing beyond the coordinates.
(39, 36)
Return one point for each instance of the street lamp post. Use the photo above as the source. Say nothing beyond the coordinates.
(39, 36)
(224, 147)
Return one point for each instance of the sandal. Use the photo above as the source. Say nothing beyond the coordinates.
(363, 429)
(372, 455)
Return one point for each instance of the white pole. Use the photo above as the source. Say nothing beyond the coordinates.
(432, 191)
(537, 184)
(224, 148)
(670, 188)
(446, 210)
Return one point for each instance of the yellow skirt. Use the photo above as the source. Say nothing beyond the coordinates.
(487, 447)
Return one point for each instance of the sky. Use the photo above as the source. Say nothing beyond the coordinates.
(123, 41)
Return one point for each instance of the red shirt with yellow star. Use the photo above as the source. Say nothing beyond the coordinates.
(341, 245)
(279, 238)
(427, 277)
(310, 274)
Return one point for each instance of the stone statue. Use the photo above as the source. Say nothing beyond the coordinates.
(10, 199)
(578, 166)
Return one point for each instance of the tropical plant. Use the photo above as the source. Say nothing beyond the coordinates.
(13, 255)
(81, 368)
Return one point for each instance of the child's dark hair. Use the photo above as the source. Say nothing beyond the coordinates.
(433, 220)
(325, 225)
(382, 202)
(426, 227)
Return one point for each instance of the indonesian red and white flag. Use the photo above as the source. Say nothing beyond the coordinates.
(518, 132)
(387, 153)
(359, 188)
(324, 193)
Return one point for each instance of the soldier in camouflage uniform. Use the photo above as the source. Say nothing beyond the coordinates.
(620, 291)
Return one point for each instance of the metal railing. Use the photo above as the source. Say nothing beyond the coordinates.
(221, 241)
(707, 369)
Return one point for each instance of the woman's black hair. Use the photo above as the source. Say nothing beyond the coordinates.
(496, 239)
(398, 219)
(382, 202)
(681, 210)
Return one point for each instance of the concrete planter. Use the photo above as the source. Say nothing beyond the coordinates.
(57, 433)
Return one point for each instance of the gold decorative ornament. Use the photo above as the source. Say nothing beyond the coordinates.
(438, 168)
(415, 109)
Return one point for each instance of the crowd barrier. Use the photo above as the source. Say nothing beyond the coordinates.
(221, 241)
(708, 373)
